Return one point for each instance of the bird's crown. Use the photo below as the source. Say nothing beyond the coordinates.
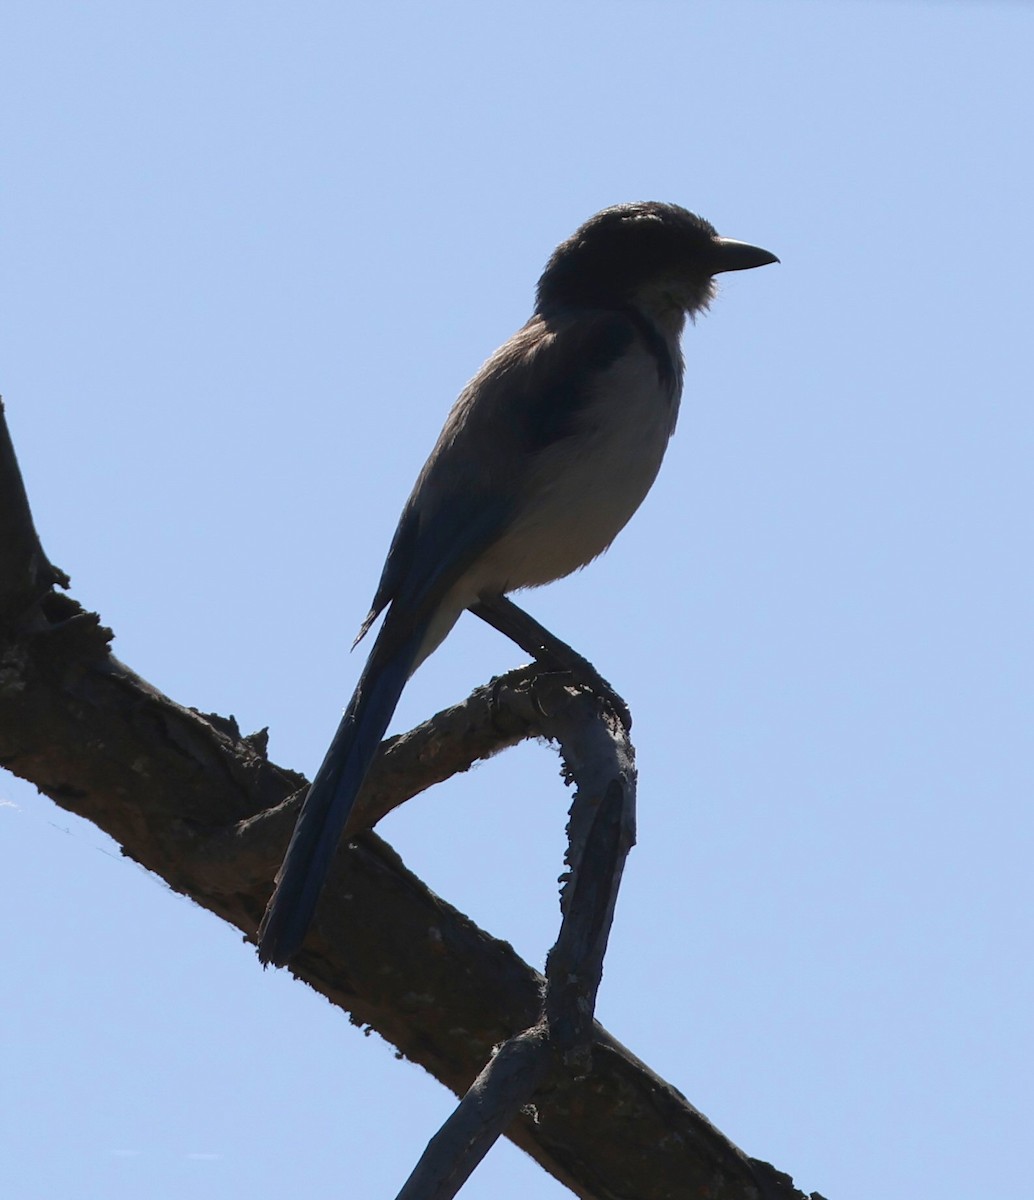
(646, 248)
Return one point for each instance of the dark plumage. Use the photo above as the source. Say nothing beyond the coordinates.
(545, 456)
(621, 251)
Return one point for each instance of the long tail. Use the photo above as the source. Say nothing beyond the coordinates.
(332, 794)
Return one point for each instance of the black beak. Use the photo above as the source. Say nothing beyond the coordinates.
(738, 256)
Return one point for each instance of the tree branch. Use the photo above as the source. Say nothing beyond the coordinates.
(598, 757)
(191, 799)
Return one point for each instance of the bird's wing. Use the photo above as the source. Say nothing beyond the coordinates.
(528, 396)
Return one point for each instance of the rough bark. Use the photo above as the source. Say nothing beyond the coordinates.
(190, 798)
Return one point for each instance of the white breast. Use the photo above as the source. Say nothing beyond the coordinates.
(585, 487)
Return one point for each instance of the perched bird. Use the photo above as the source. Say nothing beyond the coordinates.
(545, 456)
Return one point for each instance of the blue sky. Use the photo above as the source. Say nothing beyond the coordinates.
(251, 253)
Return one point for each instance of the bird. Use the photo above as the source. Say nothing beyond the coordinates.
(543, 459)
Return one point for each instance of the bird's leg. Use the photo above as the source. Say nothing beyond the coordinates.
(546, 648)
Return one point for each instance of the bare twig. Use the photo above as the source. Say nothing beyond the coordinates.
(599, 758)
(509, 1080)
(29, 574)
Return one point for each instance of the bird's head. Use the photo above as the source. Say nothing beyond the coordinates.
(660, 257)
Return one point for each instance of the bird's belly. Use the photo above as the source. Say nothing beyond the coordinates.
(572, 522)
(583, 492)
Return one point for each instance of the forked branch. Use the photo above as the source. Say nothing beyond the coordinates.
(192, 799)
